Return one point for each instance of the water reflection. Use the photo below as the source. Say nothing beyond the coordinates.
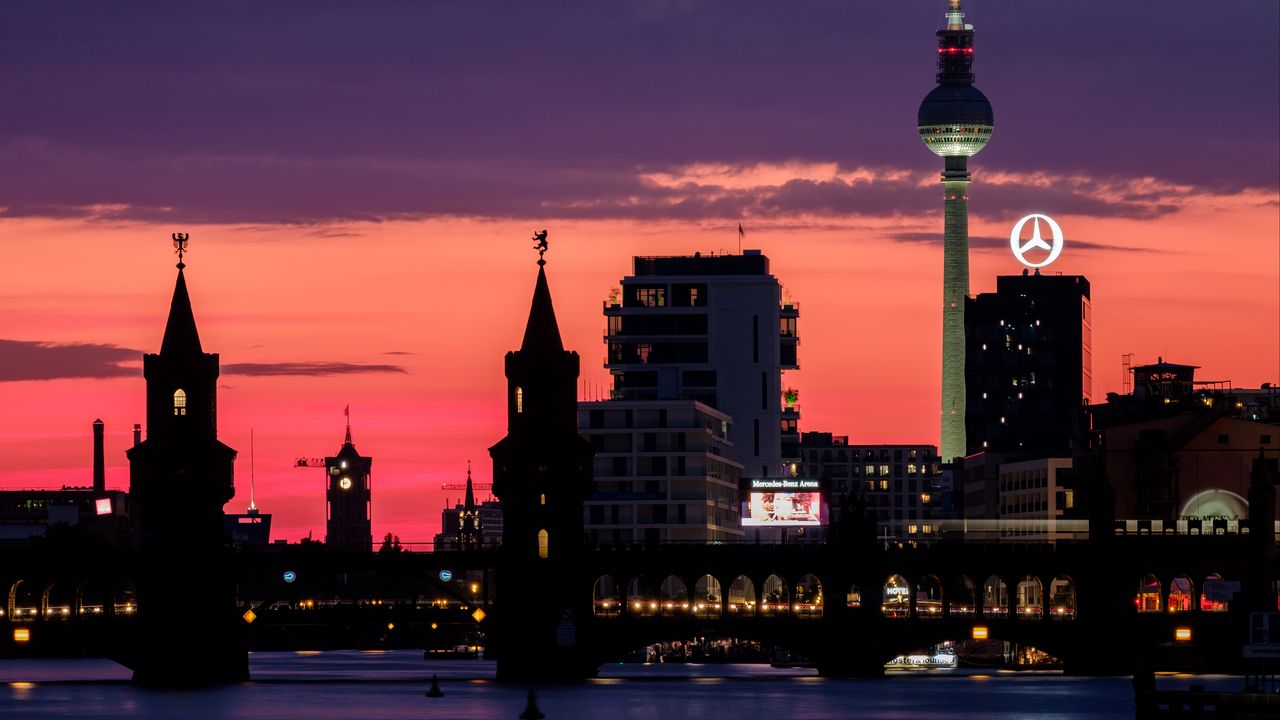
(344, 685)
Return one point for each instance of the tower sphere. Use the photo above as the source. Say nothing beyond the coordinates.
(955, 120)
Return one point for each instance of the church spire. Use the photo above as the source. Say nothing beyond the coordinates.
(470, 502)
(180, 336)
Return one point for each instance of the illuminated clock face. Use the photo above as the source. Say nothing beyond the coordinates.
(345, 483)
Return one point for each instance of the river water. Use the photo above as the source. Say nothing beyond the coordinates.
(391, 685)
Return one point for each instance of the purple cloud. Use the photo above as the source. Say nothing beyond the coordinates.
(33, 360)
(293, 112)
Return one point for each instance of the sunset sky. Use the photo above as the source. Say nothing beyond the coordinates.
(360, 182)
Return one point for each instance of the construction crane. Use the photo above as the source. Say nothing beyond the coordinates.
(463, 486)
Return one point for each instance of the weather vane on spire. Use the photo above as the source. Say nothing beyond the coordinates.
(541, 239)
(180, 246)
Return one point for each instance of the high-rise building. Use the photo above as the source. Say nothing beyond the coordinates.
(714, 329)
(955, 122)
(348, 498)
(663, 473)
(1029, 365)
(900, 484)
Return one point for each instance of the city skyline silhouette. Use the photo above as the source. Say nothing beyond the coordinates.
(357, 261)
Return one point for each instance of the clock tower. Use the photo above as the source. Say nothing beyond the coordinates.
(348, 503)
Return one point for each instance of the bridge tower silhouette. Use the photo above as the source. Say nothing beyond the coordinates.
(542, 476)
(179, 479)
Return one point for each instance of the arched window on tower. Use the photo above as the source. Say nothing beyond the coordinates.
(519, 399)
(179, 402)
(543, 541)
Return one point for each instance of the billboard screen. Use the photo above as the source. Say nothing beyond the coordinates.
(789, 502)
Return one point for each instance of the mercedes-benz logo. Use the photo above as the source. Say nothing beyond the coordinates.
(1036, 242)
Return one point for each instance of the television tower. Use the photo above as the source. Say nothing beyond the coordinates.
(955, 122)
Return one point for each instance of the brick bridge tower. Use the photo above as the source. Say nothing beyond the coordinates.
(542, 476)
(179, 479)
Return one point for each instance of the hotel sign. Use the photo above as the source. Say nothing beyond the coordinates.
(1036, 241)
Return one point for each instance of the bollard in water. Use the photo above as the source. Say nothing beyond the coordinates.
(531, 711)
(435, 688)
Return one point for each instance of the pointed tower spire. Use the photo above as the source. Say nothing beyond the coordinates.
(542, 333)
(347, 413)
(470, 502)
(180, 336)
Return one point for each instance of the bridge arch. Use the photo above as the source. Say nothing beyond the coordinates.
(708, 599)
(775, 598)
(58, 602)
(1149, 598)
(809, 598)
(742, 599)
(929, 598)
(674, 597)
(1030, 598)
(853, 598)
(642, 601)
(91, 599)
(1062, 598)
(1209, 605)
(995, 598)
(1182, 591)
(606, 597)
(25, 598)
(961, 597)
(895, 598)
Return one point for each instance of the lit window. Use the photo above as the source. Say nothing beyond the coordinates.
(519, 399)
(543, 541)
(179, 402)
(928, 529)
(642, 351)
(542, 499)
(912, 529)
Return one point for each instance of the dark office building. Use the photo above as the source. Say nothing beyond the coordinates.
(1028, 364)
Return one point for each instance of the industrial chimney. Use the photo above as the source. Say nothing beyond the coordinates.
(99, 466)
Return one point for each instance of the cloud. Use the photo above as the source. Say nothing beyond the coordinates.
(991, 242)
(34, 360)
(307, 368)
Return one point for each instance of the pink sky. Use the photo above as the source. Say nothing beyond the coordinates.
(1199, 285)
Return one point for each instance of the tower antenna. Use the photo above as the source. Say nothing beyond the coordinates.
(955, 122)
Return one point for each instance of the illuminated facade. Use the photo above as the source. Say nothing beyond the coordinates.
(663, 472)
(348, 498)
(955, 122)
(901, 484)
(717, 330)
